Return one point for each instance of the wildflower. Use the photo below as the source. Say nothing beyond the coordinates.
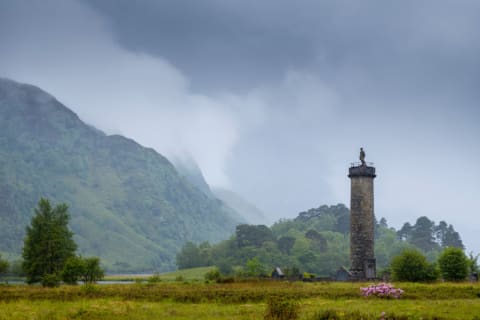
(382, 290)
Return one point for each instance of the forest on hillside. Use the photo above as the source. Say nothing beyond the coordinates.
(317, 241)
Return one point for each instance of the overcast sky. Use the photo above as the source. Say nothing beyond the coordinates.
(274, 98)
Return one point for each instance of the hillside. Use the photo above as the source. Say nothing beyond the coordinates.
(247, 210)
(241, 209)
(128, 204)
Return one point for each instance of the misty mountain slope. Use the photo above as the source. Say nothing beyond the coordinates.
(251, 213)
(128, 204)
(190, 170)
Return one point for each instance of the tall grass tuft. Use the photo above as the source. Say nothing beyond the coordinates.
(281, 308)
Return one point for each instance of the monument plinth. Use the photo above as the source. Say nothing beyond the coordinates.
(362, 220)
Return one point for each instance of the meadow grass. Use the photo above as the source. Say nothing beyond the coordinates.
(192, 274)
(246, 300)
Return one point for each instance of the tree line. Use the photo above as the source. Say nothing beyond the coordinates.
(317, 241)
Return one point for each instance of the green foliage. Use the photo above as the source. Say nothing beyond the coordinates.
(254, 268)
(86, 269)
(3, 265)
(312, 243)
(251, 235)
(281, 308)
(453, 264)
(93, 272)
(213, 275)
(427, 236)
(447, 236)
(192, 256)
(73, 270)
(411, 265)
(285, 244)
(48, 243)
(422, 234)
(473, 263)
(50, 280)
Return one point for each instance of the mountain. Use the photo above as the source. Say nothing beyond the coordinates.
(128, 204)
(189, 169)
(248, 211)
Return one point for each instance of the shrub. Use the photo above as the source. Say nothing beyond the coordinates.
(154, 278)
(432, 272)
(281, 308)
(411, 265)
(213, 275)
(453, 264)
(73, 269)
(50, 280)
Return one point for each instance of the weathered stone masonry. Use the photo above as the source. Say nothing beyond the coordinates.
(362, 220)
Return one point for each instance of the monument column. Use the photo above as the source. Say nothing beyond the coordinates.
(362, 220)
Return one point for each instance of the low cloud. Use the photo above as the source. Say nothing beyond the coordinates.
(65, 48)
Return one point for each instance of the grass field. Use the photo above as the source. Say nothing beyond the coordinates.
(186, 274)
(247, 300)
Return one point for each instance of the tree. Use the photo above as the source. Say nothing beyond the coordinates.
(252, 235)
(452, 239)
(447, 236)
(189, 256)
(93, 271)
(473, 263)
(404, 232)
(453, 264)
(3, 265)
(422, 234)
(48, 242)
(343, 223)
(318, 241)
(285, 244)
(73, 270)
(440, 232)
(254, 268)
(411, 265)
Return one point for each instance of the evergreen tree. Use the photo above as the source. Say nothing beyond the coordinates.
(48, 242)
(404, 232)
(422, 234)
(452, 239)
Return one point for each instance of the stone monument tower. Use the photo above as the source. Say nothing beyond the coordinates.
(362, 220)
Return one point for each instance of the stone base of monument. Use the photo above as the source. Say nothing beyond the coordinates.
(368, 272)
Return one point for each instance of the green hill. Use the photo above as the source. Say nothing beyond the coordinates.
(128, 204)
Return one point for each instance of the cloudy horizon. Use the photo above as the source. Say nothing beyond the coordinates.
(273, 99)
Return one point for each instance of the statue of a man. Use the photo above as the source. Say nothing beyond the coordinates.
(362, 156)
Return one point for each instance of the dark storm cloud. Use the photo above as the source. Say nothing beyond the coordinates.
(273, 98)
(397, 46)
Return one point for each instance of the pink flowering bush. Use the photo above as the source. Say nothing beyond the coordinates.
(382, 290)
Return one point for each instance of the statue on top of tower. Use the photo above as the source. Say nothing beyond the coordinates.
(362, 156)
